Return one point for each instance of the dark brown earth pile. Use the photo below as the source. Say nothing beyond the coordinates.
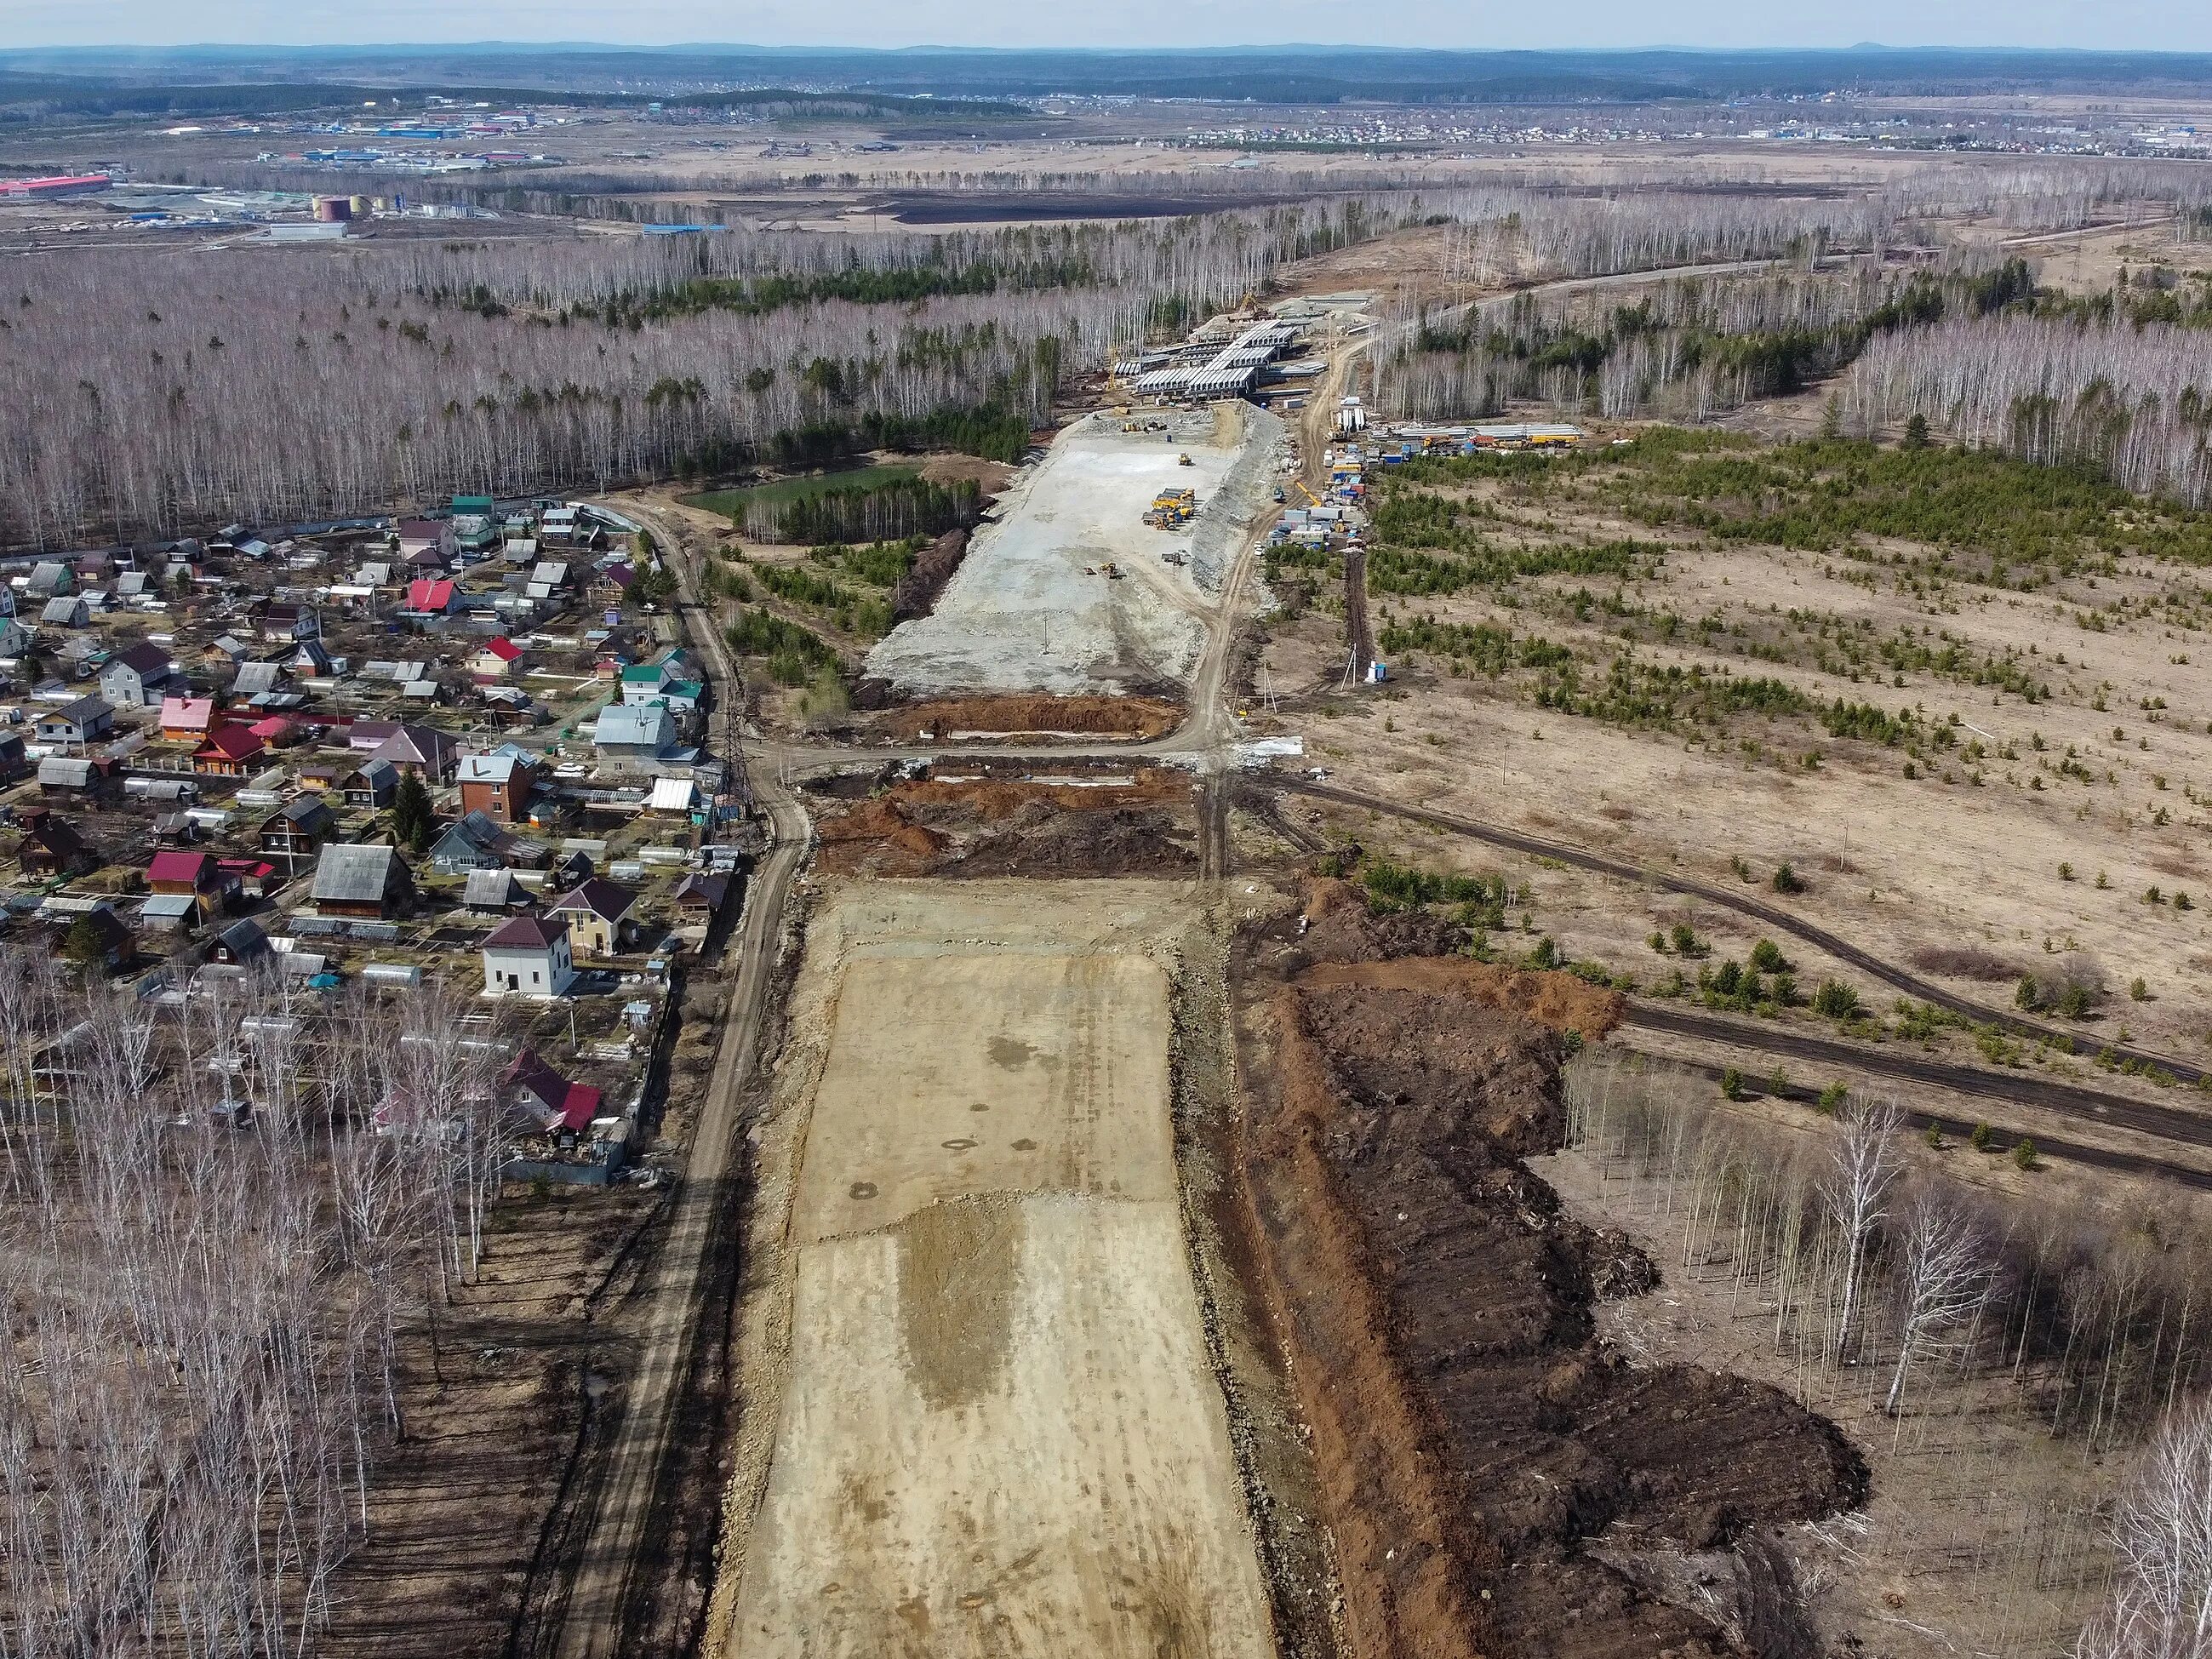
(1339, 928)
(1015, 714)
(1472, 1436)
(924, 582)
(999, 827)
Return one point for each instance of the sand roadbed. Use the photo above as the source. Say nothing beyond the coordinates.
(997, 1430)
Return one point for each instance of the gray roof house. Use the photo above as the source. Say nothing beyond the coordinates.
(493, 889)
(361, 881)
(137, 677)
(633, 732)
(80, 721)
(66, 611)
(476, 842)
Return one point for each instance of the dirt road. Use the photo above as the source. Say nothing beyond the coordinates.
(1772, 915)
(609, 1577)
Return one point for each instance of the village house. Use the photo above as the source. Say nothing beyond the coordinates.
(50, 846)
(282, 620)
(371, 785)
(555, 1102)
(367, 882)
(645, 682)
(137, 677)
(49, 577)
(187, 719)
(99, 933)
(68, 610)
(492, 891)
(229, 752)
(244, 944)
(86, 719)
(196, 875)
(69, 774)
(497, 785)
(596, 911)
(296, 831)
(495, 661)
(417, 536)
(701, 894)
(15, 758)
(528, 956)
(474, 842)
(431, 597)
(428, 753)
(633, 735)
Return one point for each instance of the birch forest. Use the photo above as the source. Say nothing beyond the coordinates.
(277, 384)
(2040, 1368)
(204, 1301)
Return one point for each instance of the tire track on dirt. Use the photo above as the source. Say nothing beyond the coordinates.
(1742, 903)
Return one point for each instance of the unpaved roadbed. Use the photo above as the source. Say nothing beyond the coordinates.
(999, 1430)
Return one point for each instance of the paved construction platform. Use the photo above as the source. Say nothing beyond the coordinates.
(1021, 614)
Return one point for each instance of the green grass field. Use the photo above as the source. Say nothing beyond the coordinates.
(731, 503)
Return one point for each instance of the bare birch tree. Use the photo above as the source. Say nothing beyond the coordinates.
(1947, 1272)
(1866, 1166)
(2162, 1599)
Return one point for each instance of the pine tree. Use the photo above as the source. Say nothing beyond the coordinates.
(413, 817)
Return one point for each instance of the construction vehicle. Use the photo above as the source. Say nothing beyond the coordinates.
(1185, 460)
(1110, 571)
(1305, 492)
(1171, 508)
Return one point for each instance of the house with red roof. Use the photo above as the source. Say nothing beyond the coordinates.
(552, 1099)
(495, 662)
(432, 595)
(230, 751)
(185, 874)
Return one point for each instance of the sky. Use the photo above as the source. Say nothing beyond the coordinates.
(2154, 25)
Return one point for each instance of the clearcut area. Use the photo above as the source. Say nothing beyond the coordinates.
(999, 1432)
(1072, 591)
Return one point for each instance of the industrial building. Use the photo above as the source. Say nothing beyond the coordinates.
(1198, 372)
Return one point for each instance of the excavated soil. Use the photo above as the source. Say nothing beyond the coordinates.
(1018, 827)
(1498, 1482)
(1032, 714)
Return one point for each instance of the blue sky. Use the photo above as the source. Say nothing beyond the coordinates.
(2172, 25)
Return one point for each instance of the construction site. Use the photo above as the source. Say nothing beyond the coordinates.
(1102, 562)
(1326, 986)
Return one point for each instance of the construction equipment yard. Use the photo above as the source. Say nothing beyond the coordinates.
(984, 1418)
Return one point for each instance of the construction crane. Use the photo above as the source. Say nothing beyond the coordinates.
(1305, 492)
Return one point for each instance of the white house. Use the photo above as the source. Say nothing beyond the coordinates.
(528, 956)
